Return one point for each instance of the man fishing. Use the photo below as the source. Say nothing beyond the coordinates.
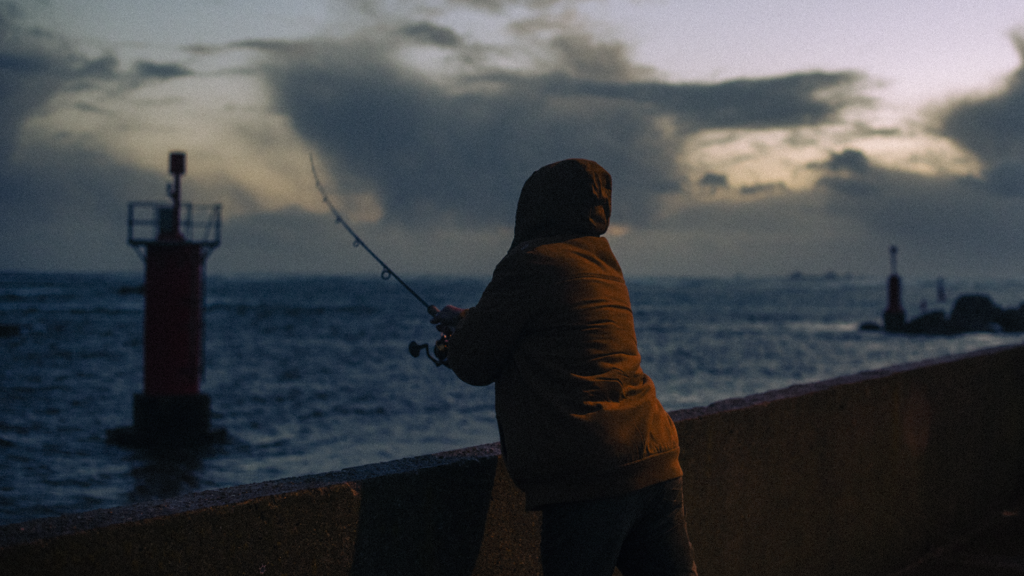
(582, 431)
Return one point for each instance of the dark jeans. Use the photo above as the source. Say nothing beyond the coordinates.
(643, 533)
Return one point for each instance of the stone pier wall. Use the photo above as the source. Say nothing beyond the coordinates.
(857, 475)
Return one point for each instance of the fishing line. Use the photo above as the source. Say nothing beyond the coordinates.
(441, 346)
(386, 271)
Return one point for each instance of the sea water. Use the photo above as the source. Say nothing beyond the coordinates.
(310, 375)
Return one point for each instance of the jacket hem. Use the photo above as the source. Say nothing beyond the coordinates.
(635, 476)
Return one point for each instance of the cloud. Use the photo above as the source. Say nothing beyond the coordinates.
(37, 65)
(498, 5)
(63, 206)
(578, 56)
(34, 66)
(943, 222)
(47, 198)
(432, 34)
(793, 100)
(436, 132)
(456, 149)
(146, 70)
(977, 211)
(61, 198)
(768, 188)
(992, 128)
(714, 181)
(848, 161)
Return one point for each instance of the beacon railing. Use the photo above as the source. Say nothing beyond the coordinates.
(153, 222)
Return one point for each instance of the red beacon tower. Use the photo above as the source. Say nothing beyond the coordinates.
(174, 242)
(894, 317)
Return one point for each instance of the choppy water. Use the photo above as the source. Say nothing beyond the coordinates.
(312, 374)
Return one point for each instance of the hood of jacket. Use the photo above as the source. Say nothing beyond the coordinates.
(568, 198)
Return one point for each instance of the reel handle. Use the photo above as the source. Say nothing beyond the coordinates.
(440, 347)
(440, 350)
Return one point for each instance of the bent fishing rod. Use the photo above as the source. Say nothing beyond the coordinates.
(441, 345)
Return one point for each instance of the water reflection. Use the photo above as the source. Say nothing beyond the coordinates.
(161, 473)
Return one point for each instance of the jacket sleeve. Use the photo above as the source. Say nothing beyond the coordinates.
(483, 343)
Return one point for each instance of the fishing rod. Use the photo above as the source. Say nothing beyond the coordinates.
(441, 346)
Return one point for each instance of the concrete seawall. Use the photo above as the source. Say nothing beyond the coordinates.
(857, 475)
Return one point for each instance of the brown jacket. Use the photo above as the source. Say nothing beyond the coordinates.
(578, 418)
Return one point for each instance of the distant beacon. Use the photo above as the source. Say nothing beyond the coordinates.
(174, 242)
(895, 318)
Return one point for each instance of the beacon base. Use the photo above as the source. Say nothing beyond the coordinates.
(169, 421)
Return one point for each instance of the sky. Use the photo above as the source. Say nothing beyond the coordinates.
(743, 137)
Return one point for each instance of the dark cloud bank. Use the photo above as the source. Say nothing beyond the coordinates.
(462, 147)
(450, 154)
(968, 225)
(459, 150)
(62, 202)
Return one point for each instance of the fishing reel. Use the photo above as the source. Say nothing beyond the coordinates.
(440, 356)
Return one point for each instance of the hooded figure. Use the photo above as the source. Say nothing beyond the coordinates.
(572, 197)
(579, 420)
